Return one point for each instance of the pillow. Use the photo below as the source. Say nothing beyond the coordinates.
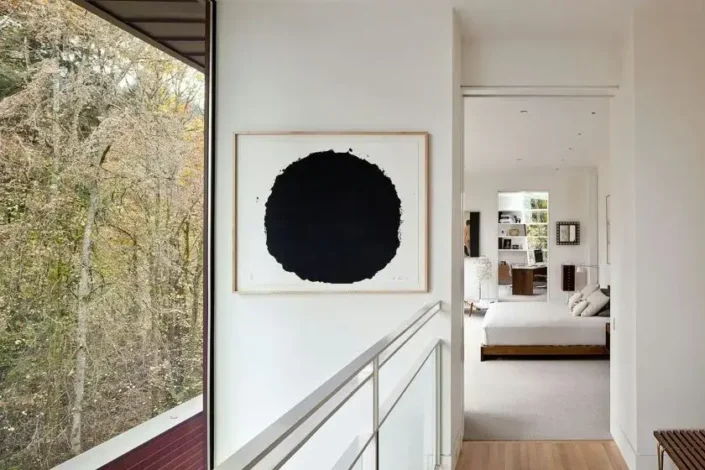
(574, 299)
(606, 307)
(589, 289)
(596, 301)
(579, 308)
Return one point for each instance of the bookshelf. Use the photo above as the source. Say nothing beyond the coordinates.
(514, 218)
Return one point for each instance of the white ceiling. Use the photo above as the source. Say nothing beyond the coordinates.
(527, 19)
(539, 19)
(553, 132)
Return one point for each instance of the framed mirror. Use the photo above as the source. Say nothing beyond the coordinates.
(568, 233)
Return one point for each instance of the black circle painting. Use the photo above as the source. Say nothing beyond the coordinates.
(333, 217)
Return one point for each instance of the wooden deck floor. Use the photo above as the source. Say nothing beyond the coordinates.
(540, 455)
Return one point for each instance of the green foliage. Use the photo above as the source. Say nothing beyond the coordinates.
(537, 203)
(87, 110)
(537, 230)
(539, 217)
(536, 243)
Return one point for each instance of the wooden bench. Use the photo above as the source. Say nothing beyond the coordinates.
(686, 448)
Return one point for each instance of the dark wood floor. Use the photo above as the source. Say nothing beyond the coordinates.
(540, 455)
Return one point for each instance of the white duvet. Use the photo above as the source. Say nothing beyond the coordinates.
(540, 323)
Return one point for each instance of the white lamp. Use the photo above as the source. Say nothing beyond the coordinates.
(483, 271)
(604, 275)
(583, 269)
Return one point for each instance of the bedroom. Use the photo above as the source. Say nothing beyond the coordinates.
(536, 165)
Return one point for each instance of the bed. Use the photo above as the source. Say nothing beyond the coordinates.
(520, 329)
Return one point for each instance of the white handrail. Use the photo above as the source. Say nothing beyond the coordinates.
(265, 442)
(406, 382)
(351, 456)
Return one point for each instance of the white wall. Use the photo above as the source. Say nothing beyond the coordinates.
(550, 62)
(669, 76)
(572, 197)
(458, 267)
(663, 349)
(623, 277)
(360, 66)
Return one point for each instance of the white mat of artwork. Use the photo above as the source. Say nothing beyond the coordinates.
(261, 157)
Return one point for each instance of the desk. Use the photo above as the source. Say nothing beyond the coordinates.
(523, 277)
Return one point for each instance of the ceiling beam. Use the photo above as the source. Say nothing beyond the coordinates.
(165, 20)
(154, 1)
(138, 32)
(181, 38)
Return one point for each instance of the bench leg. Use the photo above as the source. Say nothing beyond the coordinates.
(659, 456)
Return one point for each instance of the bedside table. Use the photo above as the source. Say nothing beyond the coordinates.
(607, 336)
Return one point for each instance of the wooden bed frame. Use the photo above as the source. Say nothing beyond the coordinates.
(556, 351)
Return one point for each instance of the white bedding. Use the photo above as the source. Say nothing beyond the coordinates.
(540, 323)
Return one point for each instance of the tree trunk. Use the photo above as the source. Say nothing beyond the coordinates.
(55, 136)
(84, 291)
(197, 288)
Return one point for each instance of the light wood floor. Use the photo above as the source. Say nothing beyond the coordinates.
(540, 455)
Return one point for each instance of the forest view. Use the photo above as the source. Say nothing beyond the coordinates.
(101, 197)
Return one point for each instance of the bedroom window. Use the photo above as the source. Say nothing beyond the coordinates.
(536, 209)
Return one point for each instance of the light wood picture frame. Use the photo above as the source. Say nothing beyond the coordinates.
(262, 157)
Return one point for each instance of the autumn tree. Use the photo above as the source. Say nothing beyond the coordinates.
(101, 151)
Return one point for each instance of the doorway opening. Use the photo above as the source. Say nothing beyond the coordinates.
(522, 246)
(535, 164)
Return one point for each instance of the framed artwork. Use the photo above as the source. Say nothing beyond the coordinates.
(331, 212)
(568, 233)
(471, 234)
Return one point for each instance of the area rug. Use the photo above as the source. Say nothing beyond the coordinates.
(533, 400)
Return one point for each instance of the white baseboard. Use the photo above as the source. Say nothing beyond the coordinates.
(624, 446)
(649, 462)
(633, 460)
(457, 446)
(450, 462)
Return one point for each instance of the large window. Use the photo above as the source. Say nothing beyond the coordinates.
(536, 210)
(101, 265)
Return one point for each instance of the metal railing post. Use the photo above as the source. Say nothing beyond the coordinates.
(375, 409)
(282, 439)
(439, 407)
